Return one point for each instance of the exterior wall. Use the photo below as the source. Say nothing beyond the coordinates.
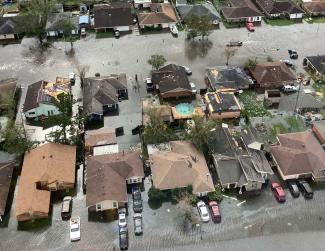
(254, 19)
(225, 115)
(36, 215)
(134, 180)
(296, 16)
(7, 36)
(164, 25)
(253, 186)
(123, 28)
(42, 110)
(142, 4)
(106, 205)
(106, 149)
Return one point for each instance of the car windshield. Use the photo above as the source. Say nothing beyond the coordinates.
(205, 215)
(74, 229)
(122, 220)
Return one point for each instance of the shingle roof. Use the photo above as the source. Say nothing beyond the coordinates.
(31, 100)
(222, 102)
(318, 62)
(13, 25)
(279, 7)
(160, 13)
(186, 11)
(54, 21)
(305, 101)
(182, 166)
(109, 16)
(299, 153)
(314, 7)
(99, 137)
(107, 174)
(48, 163)
(6, 170)
(240, 9)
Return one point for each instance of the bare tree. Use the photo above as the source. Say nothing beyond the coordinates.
(229, 53)
(82, 71)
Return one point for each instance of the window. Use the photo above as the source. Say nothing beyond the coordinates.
(31, 113)
(114, 204)
(98, 207)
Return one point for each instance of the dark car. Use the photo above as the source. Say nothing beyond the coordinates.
(278, 192)
(305, 189)
(136, 193)
(214, 211)
(293, 188)
(124, 238)
(137, 206)
(293, 54)
(138, 225)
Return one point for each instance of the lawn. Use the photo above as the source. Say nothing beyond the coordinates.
(100, 35)
(279, 22)
(318, 20)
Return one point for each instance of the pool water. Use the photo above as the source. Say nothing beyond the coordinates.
(184, 109)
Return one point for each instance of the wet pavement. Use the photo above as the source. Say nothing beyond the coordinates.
(260, 223)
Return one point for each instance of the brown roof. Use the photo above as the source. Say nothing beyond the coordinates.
(272, 72)
(6, 170)
(106, 176)
(240, 9)
(49, 163)
(31, 100)
(182, 166)
(99, 137)
(314, 7)
(160, 13)
(299, 153)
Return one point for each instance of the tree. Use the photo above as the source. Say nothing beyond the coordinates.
(229, 53)
(199, 26)
(250, 64)
(156, 195)
(157, 61)
(82, 71)
(156, 131)
(8, 106)
(38, 12)
(66, 26)
(269, 59)
(217, 194)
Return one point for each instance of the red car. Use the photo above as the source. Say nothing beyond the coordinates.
(250, 26)
(278, 192)
(215, 212)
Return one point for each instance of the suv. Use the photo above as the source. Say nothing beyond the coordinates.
(150, 86)
(137, 206)
(124, 238)
(215, 212)
(293, 188)
(138, 228)
(66, 209)
(136, 193)
(293, 54)
(278, 192)
(305, 189)
(290, 88)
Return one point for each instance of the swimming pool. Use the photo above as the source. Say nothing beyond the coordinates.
(185, 109)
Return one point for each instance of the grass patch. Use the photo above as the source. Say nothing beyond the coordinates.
(36, 224)
(318, 20)
(100, 35)
(232, 25)
(252, 107)
(279, 22)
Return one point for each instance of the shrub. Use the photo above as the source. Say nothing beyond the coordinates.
(216, 195)
(156, 195)
(189, 189)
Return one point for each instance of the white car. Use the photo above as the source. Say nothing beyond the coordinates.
(290, 88)
(75, 229)
(83, 32)
(203, 211)
(122, 218)
(193, 87)
(173, 30)
(187, 70)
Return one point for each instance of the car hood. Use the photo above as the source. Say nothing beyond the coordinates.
(75, 235)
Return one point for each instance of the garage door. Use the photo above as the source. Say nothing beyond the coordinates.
(123, 28)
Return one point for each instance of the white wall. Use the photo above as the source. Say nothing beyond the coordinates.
(7, 36)
(107, 204)
(106, 149)
(295, 16)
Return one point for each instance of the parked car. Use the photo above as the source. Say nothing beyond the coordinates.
(287, 62)
(290, 88)
(138, 228)
(214, 211)
(136, 193)
(122, 217)
(234, 43)
(116, 34)
(137, 206)
(305, 189)
(124, 238)
(83, 32)
(174, 30)
(193, 87)
(187, 70)
(203, 211)
(250, 26)
(75, 229)
(150, 86)
(293, 188)
(72, 78)
(278, 192)
(293, 54)
(66, 208)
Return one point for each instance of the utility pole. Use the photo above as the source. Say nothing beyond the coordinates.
(295, 109)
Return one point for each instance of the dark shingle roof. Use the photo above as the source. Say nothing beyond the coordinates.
(6, 170)
(315, 7)
(318, 63)
(186, 11)
(222, 102)
(31, 100)
(279, 7)
(305, 101)
(55, 21)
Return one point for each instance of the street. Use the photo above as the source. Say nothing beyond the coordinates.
(258, 224)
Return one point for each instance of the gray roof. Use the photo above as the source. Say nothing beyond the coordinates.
(54, 21)
(318, 62)
(101, 91)
(15, 24)
(233, 77)
(305, 102)
(181, 2)
(186, 11)
(228, 170)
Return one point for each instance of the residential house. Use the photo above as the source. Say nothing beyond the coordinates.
(318, 128)
(222, 105)
(314, 8)
(186, 11)
(39, 101)
(231, 78)
(239, 164)
(102, 94)
(117, 17)
(177, 164)
(140, 4)
(164, 111)
(161, 15)
(57, 23)
(273, 75)
(316, 64)
(108, 177)
(242, 11)
(172, 82)
(102, 141)
(299, 155)
(49, 167)
(12, 28)
(275, 8)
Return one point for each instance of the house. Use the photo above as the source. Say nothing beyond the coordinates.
(49, 167)
(314, 8)
(222, 105)
(40, 95)
(187, 11)
(57, 23)
(11, 28)
(316, 64)
(172, 82)
(8, 88)
(161, 15)
(273, 75)
(102, 94)
(108, 177)
(102, 141)
(239, 164)
(164, 111)
(318, 128)
(7, 165)
(140, 4)
(275, 8)
(228, 77)
(299, 155)
(117, 17)
(242, 11)
(177, 164)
